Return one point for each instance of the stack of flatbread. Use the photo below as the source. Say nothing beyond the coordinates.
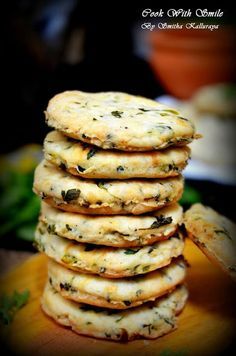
(110, 184)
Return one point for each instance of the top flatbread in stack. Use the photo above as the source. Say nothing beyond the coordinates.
(114, 120)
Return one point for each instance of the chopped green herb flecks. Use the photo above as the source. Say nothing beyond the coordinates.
(51, 229)
(117, 113)
(160, 221)
(119, 319)
(9, 305)
(80, 169)
(68, 228)
(182, 118)
(39, 246)
(164, 114)
(146, 268)
(91, 153)
(163, 128)
(171, 167)
(157, 197)
(148, 326)
(130, 251)
(135, 269)
(71, 194)
(171, 111)
(69, 259)
(41, 231)
(68, 287)
(181, 265)
(120, 169)
(147, 110)
(139, 292)
(224, 232)
(43, 195)
(101, 184)
(165, 274)
(144, 110)
(169, 321)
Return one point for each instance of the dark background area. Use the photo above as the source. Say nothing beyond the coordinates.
(40, 36)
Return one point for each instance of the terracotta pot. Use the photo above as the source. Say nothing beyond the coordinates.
(184, 60)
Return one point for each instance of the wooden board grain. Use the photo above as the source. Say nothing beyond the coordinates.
(207, 325)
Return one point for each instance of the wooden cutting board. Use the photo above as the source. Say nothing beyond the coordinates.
(207, 325)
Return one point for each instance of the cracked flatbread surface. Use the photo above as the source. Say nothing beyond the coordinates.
(88, 161)
(118, 121)
(86, 196)
(149, 321)
(108, 261)
(120, 293)
(115, 230)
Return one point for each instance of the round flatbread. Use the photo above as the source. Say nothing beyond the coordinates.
(75, 194)
(115, 230)
(120, 293)
(214, 234)
(118, 120)
(88, 161)
(149, 321)
(107, 261)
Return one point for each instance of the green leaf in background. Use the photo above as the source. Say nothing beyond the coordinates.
(10, 304)
(19, 206)
(25, 214)
(26, 232)
(190, 196)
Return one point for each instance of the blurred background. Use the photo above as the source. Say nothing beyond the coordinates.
(55, 45)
